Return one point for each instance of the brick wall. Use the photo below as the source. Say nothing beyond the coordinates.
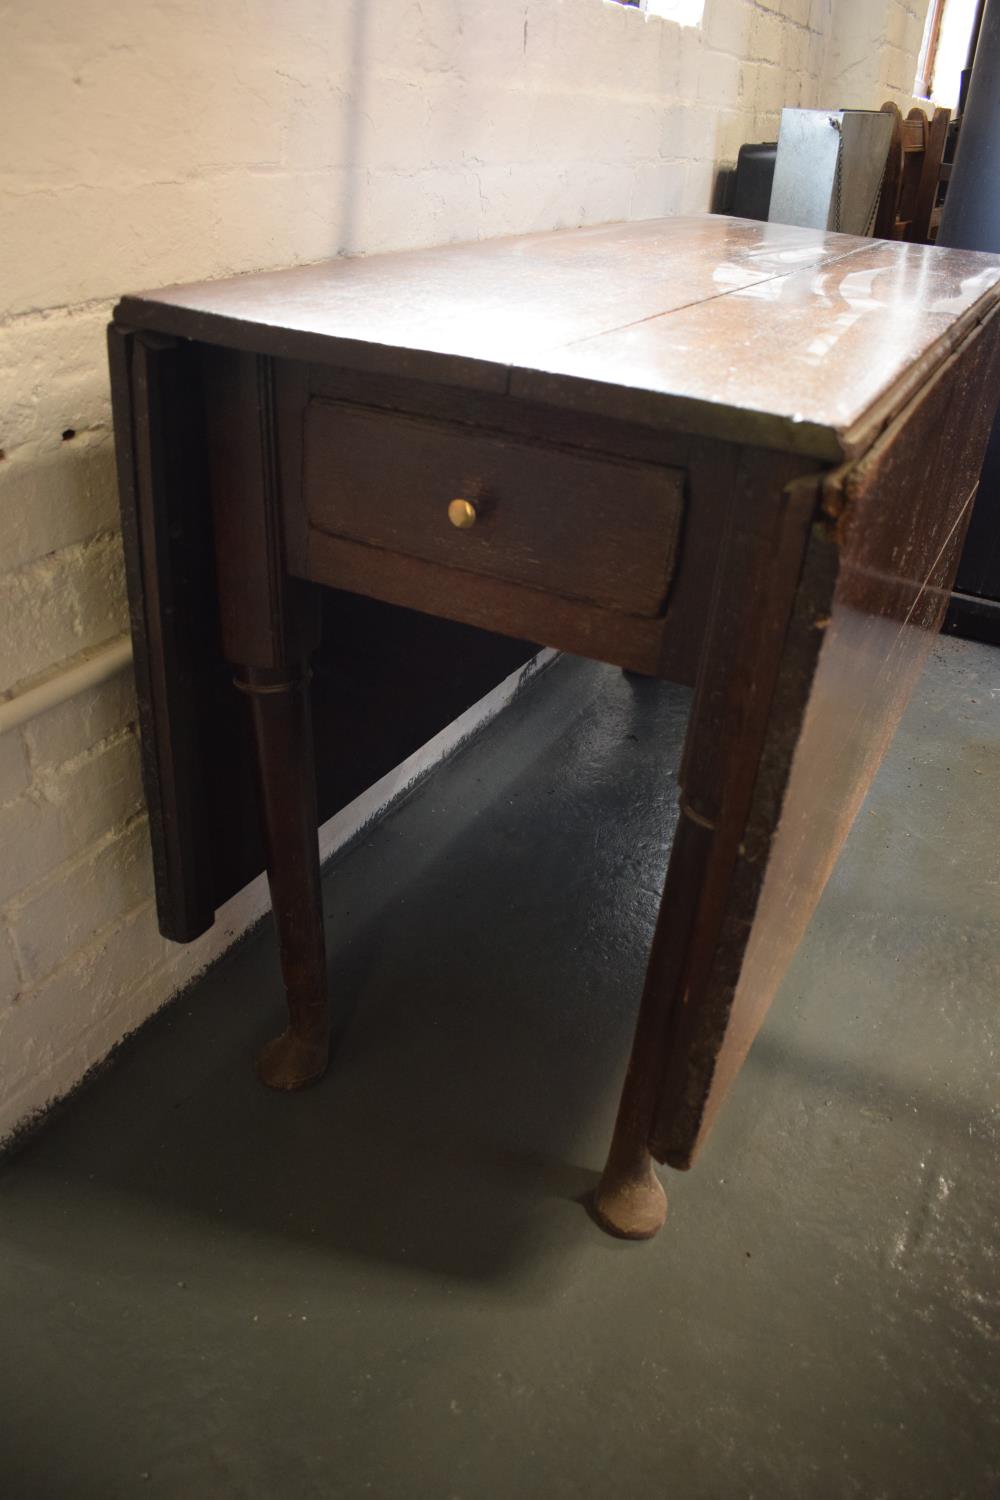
(155, 142)
(872, 52)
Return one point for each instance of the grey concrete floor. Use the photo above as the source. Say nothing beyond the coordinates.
(387, 1286)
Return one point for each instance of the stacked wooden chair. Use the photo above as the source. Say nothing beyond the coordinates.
(908, 207)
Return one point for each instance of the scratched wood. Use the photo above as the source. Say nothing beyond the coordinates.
(385, 479)
(781, 336)
(817, 407)
(876, 583)
(399, 677)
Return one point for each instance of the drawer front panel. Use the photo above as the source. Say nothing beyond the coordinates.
(582, 525)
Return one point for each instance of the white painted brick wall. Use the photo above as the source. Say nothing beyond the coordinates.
(872, 51)
(65, 808)
(85, 894)
(148, 141)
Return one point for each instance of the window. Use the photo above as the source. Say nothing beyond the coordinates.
(945, 48)
(684, 12)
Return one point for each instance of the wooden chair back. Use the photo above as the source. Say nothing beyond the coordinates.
(908, 205)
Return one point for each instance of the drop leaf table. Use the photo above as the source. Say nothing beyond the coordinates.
(734, 455)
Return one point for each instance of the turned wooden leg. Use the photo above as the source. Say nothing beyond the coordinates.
(630, 1200)
(279, 708)
(269, 624)
(705, 916)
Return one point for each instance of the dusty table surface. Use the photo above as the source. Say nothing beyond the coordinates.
(792, 338)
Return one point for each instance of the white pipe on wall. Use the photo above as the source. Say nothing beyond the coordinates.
(98, 667)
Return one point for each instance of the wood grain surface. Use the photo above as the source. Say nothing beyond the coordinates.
(790, 338)
(578, 524)
(871, 599)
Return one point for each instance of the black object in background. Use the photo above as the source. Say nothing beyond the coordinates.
(751, 195)
(971, 220)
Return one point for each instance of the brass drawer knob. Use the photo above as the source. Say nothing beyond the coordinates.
(462, 513)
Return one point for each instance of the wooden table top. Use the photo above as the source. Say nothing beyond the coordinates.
(789, 338)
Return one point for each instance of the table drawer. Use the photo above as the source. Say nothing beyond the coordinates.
(582, 525)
